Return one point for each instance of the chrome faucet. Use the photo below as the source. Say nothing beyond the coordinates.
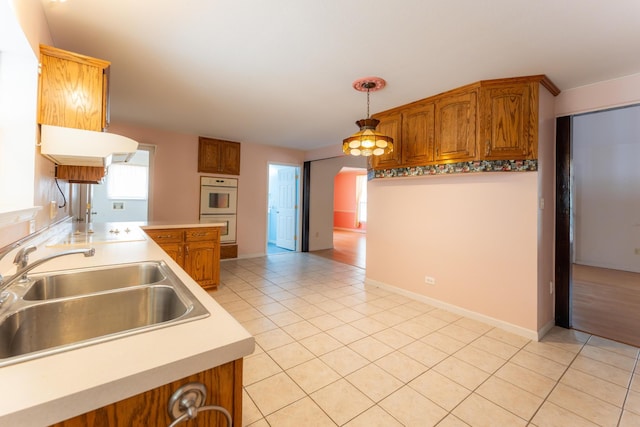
(23, 267)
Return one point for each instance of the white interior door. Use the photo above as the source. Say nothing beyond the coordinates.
(287, 208)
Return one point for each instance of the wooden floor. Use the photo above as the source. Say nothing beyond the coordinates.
(349, 247)
(606, 303)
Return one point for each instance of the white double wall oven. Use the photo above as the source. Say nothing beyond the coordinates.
(218, 204)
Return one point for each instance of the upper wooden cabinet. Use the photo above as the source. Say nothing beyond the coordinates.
(487, 120)
(73, 90)
(456, 123)
(509, 121)
(390, 125)
(418, 130)
(218, 156)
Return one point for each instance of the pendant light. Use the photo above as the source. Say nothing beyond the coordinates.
(368, 141)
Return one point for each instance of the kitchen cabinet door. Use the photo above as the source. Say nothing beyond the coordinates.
(199, 262)
(456, 127)
(508, 121)
(175, 251)
(202, 255)
(390, 125)
(218, 156)
(73, 90)
(224, 388)
(418, 130)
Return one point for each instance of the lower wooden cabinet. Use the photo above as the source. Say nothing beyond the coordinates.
(224, 388)
(196, 250)
(228, 250)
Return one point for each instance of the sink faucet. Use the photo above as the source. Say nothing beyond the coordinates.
(23, 267)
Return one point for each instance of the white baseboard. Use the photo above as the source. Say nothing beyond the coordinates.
(509, 327)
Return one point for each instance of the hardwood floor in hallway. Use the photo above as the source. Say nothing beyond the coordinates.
(349, 247)
(606, 303)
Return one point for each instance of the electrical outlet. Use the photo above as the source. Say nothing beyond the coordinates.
(429, 280)
(636, 251)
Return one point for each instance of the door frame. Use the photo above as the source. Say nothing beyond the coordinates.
(299, 192)
(564, 232)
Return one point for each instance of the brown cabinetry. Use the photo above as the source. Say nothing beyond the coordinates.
(218, 156)
(488, 120)
(508, 121)
(72, 90)
(196, 250)
(390, 125)
(456, 123)
(224, 388)
(418, 125)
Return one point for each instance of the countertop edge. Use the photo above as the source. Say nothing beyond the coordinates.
(134, 361)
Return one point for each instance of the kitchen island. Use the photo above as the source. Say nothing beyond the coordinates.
(50, 389)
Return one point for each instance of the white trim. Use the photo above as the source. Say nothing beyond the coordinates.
(509, 327)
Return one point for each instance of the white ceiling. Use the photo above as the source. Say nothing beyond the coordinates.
(279, 72)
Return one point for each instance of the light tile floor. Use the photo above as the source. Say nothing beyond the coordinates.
(332, 351)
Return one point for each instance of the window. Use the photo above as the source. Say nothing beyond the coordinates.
(126, 181)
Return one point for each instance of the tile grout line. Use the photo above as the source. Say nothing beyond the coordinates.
(390, 326)
(626, 396)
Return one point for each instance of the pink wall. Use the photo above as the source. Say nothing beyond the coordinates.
(175, 179)
(344, 200)
(175, 182)
(253, 193)
(475, 234)
(599, 96)
(482, 236)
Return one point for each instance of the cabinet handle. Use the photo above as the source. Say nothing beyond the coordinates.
(166, 236)
(437, 152)
(186, 250)
(199, 234)
(488, 150)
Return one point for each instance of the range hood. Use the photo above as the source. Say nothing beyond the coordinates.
(78, 147)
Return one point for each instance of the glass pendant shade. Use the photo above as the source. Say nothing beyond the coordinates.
(367, 141)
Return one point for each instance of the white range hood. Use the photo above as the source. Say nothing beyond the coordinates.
(78, 147)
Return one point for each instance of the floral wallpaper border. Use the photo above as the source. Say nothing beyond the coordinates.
(457, 168)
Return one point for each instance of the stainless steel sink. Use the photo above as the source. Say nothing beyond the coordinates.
(68, 310)
(88, 281)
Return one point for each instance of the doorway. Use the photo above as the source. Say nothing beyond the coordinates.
(124, 195)
(598, 206)
(282, 208)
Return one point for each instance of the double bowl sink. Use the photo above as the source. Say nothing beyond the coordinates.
(65, 310)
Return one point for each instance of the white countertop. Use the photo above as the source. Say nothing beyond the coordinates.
(50, 389)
